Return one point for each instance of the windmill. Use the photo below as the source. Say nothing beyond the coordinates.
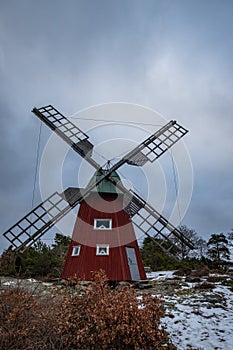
(103, 235)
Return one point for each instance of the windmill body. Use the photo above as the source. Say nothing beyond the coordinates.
(104, 238)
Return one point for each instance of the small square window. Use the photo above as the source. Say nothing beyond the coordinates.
(103, 224)
(102, 249)
(76, 250)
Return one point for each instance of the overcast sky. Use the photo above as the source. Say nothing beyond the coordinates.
(175, 57)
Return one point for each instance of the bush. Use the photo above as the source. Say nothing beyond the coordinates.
(101, 318)
(216, 278)
(105, 318)
(228, 283)
(203, 270)
(192, 279)
(26, 321)
(16, 309)
(204, 285)
(183, 271)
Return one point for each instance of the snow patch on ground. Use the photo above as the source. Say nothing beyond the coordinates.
(200, 320)
(160, 275)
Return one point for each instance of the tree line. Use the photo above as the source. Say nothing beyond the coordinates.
(39, 260)
(47, 261)
(215, 253)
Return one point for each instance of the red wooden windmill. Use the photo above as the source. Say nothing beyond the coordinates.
(103, 235)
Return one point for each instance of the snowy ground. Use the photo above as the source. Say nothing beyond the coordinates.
(200, 320)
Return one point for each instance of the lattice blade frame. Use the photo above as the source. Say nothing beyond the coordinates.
(154, 225)
(157, 144)
(69, 132)
(38, 221)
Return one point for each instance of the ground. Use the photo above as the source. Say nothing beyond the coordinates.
(195, 318)
(198, 314)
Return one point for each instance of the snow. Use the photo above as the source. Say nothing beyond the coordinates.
(9, 283)
(32, 280)
(160, 275)
(200, 320)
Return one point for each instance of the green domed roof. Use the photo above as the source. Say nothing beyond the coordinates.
(105, 186)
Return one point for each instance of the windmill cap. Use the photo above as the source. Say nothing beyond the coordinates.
(105, 186)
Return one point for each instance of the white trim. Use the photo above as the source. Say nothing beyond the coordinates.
(76, 250)
(102, 249)
(102, 227)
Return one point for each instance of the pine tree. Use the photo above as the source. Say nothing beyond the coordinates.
(153, 256)
(218, 248)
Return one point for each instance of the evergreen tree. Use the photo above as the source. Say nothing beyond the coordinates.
(59, 251)
(153, 255)
(218, 248)
(38, 260)
(44, 260)
(230, 236)
(7, 262)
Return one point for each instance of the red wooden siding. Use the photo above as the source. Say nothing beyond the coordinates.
(121, 235)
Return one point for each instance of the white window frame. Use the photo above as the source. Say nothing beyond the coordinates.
(76, 250)
(98, 248)
(102, 227)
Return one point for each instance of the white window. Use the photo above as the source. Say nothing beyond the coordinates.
(103, 224)
(76, 250)
(102, 249)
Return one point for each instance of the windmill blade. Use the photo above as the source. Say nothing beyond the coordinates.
(154, 225)
(69, 132)
(153, 147)
(38, 221)
(149, 150)
(156, 145)
(151, 222)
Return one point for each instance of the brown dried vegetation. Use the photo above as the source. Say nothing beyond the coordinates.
(100, 318)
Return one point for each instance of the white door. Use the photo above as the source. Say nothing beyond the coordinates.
(133, 264)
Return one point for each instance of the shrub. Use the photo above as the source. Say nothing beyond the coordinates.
(204, 285)
(26, 321)
(192, 279)
(105, 318)
(16, 309)
(228, 283)
(216, 278)
(203, 270)
(183, 271)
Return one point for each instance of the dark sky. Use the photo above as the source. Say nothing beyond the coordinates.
(175, 57)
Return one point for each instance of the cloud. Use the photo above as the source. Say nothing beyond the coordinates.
(174, 57)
